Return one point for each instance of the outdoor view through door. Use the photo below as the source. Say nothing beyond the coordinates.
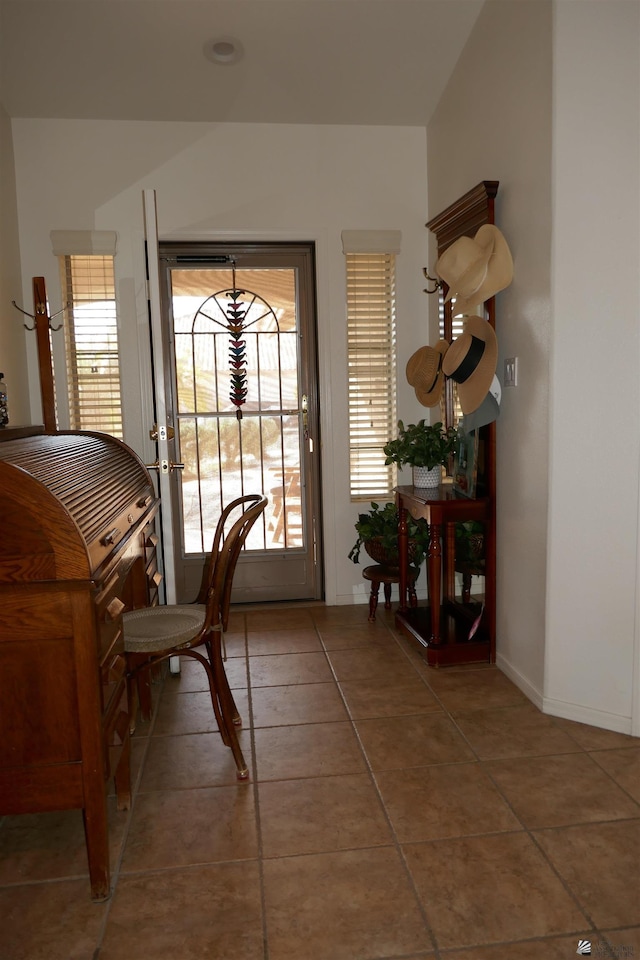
(240, 325)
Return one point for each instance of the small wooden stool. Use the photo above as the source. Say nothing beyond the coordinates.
(388, 575)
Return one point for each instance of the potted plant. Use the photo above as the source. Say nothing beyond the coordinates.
(378, 534)
(422, 445)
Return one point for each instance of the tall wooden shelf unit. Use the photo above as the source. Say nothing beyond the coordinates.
(443, 633)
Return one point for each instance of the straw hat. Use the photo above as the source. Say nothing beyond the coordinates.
(476, 269)
(471, 361)
(424, 373)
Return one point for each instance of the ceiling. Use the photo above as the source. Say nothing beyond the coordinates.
(305, 61)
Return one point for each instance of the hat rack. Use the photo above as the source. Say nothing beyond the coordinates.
(42, 326)
(434, 280)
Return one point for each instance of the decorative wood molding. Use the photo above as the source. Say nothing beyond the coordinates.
(466, 215)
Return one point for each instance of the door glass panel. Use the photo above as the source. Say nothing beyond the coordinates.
(238, 417)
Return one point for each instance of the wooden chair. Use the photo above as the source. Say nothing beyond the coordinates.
(153, 634)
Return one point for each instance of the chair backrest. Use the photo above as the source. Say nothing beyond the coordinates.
(232, 530)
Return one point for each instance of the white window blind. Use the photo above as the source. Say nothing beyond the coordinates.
(457, 328)
(371, 326)
(91, 343)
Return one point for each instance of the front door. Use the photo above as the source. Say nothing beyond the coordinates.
(240, 335)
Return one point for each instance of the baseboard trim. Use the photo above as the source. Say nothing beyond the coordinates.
(562, 708)
(530, 691)
(581, 714)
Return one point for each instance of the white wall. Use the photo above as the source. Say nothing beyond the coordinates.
(593, 518)
(545, 98)
(237, 181)
(13, 357)
(494, 123)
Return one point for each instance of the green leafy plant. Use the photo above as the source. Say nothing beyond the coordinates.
(469, 541)
(421, 445)
(380, 526)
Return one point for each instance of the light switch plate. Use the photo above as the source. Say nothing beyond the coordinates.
(511, 372)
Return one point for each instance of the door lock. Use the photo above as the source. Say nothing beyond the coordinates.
(162, 433)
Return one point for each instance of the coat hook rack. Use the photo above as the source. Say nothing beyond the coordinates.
(437, 283)
(43, 328)
(34, 316)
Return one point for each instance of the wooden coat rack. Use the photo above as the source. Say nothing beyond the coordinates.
(43, 328)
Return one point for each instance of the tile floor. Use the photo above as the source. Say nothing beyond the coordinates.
(393, 811)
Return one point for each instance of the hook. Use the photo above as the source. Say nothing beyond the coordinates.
(41, 310)
(438, 283)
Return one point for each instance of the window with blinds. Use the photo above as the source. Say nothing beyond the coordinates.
(457, 328)
(371, 327)
(91, 343)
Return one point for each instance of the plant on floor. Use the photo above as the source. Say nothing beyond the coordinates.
(421, 444)
(378, 534)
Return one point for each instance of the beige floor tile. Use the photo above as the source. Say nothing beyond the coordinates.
(491, 889)
(211, 911)
(520, 731)
(284, 668)
(294, 618)
(180, 827)
(393, 743)
(322, 814)
(47, 846)
(378, 662)
(311, 750)
(193, 678)
(559, 790)
(191, 760)
(388, 698)
(473, 688)
(192, 713)
(353, 613)
(551, 948)
(341, 906)
(336, 886)
(624, 943)
(354, 635)
(46, 921)
(601, 864)
(623, 766)
(235, 642)
(451, 800)
(297, 703)
(283, 641)
(237, 619)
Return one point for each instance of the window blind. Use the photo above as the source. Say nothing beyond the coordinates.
(91, 343)
(371, 337)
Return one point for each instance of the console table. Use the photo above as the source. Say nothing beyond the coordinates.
(443, 627)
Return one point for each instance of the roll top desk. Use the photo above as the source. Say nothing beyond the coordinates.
(77, 548)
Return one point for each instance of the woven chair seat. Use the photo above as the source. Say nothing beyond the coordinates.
(154, 629)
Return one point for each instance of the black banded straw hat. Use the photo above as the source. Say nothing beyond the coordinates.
(471, 361)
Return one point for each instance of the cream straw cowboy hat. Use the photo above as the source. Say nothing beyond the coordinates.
(476, 269)
(471, 361)
(424, 373)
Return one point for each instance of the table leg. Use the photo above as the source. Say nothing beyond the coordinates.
(403, 549)
(434, 580)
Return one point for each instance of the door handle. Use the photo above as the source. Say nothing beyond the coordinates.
(164, 466)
